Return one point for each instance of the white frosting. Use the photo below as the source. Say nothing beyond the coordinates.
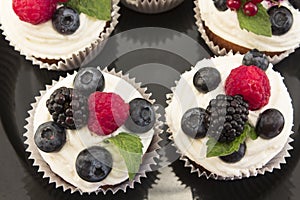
(132, 2)
(63, 162)
(226, 25)
(259, 151)
(42, 41)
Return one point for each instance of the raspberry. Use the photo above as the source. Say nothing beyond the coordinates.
(108, 112)
(252, 83)
(34, 11)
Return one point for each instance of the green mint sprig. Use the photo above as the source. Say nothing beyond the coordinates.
(259, 24)
(215, 148)
(100, 9)
(131, 149)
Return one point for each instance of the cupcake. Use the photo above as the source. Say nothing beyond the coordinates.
(57, 34)
(240, 25)
(231, 119)
(151, 6)
(93, 131)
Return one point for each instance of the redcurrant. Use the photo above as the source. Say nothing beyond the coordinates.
(256, 1)
(233, 4)
(250, 8)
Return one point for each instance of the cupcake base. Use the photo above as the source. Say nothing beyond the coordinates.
(193, 152)
(148, 158)
(221, 47)
(151, 6)
(75, 61)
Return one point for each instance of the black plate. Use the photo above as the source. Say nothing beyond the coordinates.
(20, 82)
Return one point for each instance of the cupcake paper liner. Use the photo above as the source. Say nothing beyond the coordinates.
(151, 6)
(77, 58)
(274, 163)
(222, 51)
(148, 158)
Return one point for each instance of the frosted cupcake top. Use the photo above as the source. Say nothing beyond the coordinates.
(121, 162)
(42, 40)
(252, 152)
(226, 25)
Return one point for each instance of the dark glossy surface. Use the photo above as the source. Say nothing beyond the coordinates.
(20, 82)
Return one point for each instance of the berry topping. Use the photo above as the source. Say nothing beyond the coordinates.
(295, 3)
(257, 58)
(34, 11)
(65, 20)
(226, 117)
(256, 1)
(250, 8)
(281, 19)
(206, 79)
(234, 4)
(141, 116)
(94, 164)
(50, 137)
(68, 108)
(108, 112)
(193, 123)
(252, 83)
(89, 80)
(269, 124)
(220, 5)
(235, 156)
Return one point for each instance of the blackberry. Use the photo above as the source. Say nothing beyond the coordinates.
(68, 108)
(226, 117)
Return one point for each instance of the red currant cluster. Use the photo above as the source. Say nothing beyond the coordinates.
(249, 8)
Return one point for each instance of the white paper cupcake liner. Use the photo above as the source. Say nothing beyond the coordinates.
(148, 158)
(217, 50)
(151, 6)
(77, 58)
(274, 163)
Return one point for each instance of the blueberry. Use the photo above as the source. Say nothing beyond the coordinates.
(141, 116)
(89, 80)
(269, 124)
(50, 137)
(235, 156)
(295, 3)
(94, 164)
(65, 20)
(220, 5)
(193, 123)
(206, 79)
(257, 58)
(281, 19)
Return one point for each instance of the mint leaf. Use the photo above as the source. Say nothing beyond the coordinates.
(131, 149)
(250, 131)
(100, 9)
(215, 148)
(259, 24)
